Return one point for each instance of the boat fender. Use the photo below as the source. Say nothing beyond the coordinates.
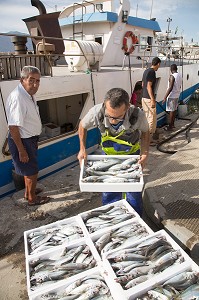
(134, 39)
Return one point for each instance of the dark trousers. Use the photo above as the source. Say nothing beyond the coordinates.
(133, 198)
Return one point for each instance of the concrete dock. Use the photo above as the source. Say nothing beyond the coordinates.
(171, 193)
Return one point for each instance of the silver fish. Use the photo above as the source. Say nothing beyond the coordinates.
(191, 293)
(136, 281)
(127, 163)
(183, 280)
(166, 260)
(102, 241)
(105, 164)
(93, 178)
(157, 295)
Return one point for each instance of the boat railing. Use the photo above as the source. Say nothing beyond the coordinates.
(12, 63)
(192, 54)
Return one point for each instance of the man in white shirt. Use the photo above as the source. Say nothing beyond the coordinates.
(172, 95)
(24, 129)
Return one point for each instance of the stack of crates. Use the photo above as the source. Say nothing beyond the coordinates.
(88, 236)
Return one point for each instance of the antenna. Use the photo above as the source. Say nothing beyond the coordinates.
(151, 9)
(169, 20)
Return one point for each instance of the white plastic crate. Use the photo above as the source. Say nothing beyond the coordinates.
(61, 286)
(142, 225)
(76, 221)
(54, 254)
(109, 187)
(133, 292)
(103, 264)
(121, 203)
(156, 283)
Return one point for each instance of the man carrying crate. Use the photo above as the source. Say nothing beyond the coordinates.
(124, 131)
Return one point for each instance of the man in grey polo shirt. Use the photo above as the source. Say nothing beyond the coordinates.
(24, 129)
(124, 130)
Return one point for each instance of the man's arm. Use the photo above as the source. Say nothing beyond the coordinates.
(82, 140)
(145, 138)
(23, 155)
(171, 84)
(150, 92)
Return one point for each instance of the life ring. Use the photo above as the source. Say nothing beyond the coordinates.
(134, 39)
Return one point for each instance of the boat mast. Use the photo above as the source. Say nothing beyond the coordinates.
(151, 9)
(169, 20)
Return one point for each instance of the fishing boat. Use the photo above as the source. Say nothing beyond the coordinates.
(171, 47)
(82, 52)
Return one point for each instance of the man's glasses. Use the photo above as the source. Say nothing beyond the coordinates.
(114, 119)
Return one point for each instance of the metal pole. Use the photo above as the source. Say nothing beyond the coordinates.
(151, 9)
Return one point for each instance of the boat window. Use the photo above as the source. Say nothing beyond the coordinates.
(145, 43)
(60, 115)
(98, 40)
(149, 42)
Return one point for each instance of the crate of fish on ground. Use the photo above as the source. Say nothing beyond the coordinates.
(183, 285)
(144, 262)
(120, 236)
(109, 215)
(111, 173)
(45, 269)
(52, 235)
(90, 285)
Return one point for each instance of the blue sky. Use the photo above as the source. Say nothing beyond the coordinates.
(184, 14)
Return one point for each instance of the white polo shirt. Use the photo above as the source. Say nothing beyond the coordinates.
(23, 111)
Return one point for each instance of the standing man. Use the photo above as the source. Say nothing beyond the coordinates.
(148, 100)
(172, 95)
(124, 129)
(24, 129)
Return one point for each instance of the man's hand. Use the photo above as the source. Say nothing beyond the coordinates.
(23, 156)
(82, 155)
(163, 101)
(153, 103)
(82, 140)
(143, 160)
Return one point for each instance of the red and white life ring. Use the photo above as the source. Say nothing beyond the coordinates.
(134, 39)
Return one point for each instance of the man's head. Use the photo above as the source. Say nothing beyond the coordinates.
(173, 68)
(138, 89)
(156, 63)
(30, 79)
(116, 105)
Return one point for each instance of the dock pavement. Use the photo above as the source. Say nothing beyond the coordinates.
(171, 192)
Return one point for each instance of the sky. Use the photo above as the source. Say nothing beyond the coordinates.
(184, 14)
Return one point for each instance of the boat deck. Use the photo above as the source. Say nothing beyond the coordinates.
(171, 193)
